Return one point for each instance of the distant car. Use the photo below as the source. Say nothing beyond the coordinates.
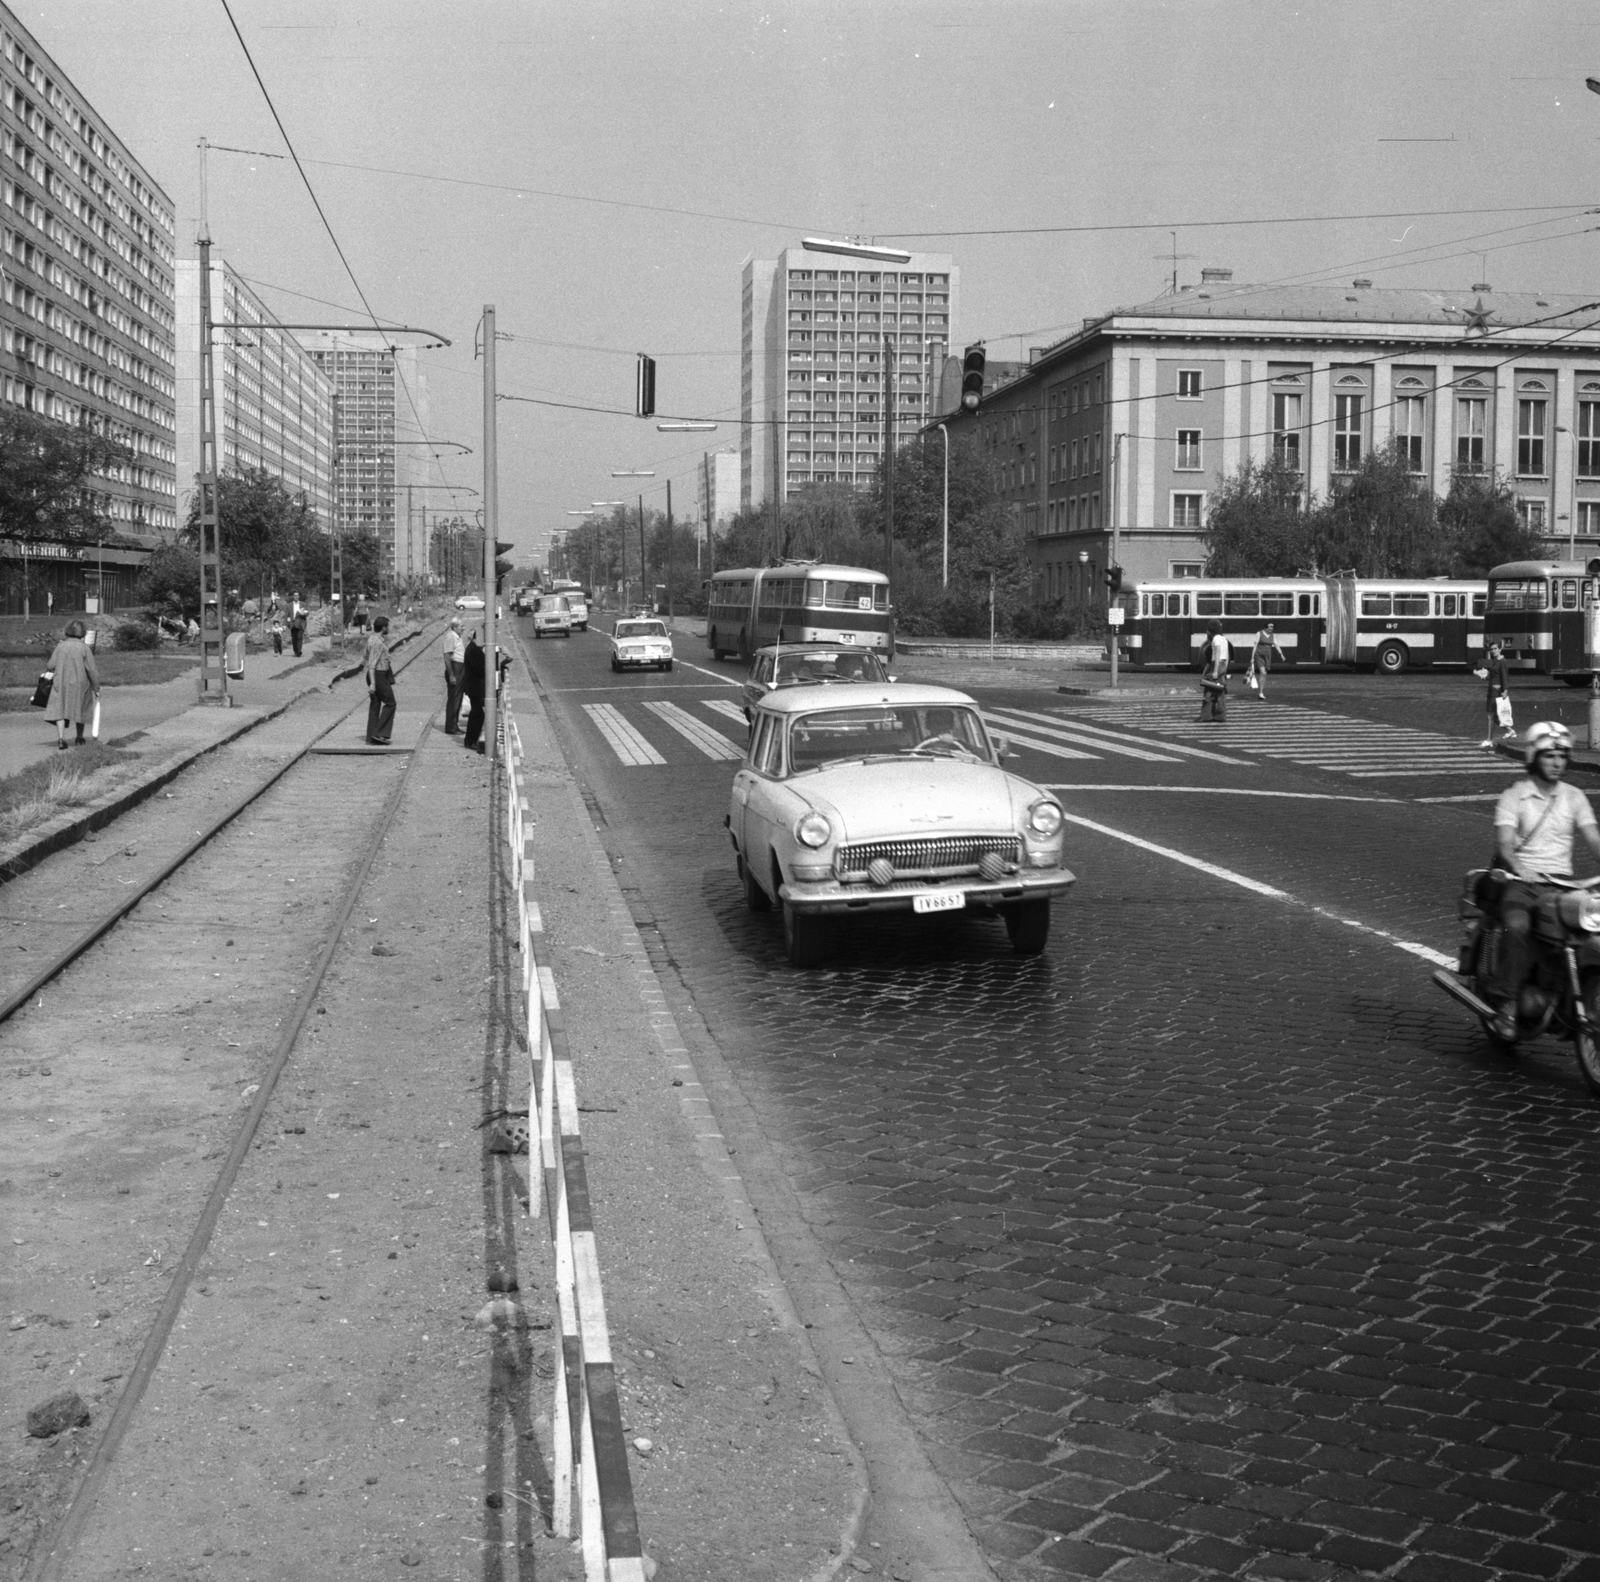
(578, 600)
(470, 601)
(641, 644)
(522, 600)
(808, 665)
(552, 614)
(885, 799)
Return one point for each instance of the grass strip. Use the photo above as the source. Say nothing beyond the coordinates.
(75, 778)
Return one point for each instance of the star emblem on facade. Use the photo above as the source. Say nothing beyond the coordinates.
(1479, 319)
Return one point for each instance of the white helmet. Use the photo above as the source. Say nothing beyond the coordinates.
(1542, 736)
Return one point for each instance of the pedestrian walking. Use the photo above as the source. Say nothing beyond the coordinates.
(1266, 645)
(474, 680)
(455, 672)
(1497, 698)
(1215, 659)
(297, 625)
(380, 685)
(277, 637)
(75, 691)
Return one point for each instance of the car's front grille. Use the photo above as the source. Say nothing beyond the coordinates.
(925, 855)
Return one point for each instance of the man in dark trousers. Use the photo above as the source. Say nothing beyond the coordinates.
(455, 659)
(380, 685)
(1215, 656)
(297, 625)
(1498, 676)
(474, 677)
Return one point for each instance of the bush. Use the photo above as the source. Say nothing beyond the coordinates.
(137, 635)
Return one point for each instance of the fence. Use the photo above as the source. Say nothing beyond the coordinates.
(590, 1455)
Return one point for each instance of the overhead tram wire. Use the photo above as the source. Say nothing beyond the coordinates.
(316, 203)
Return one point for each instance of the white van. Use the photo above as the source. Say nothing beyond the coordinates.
(552, 613)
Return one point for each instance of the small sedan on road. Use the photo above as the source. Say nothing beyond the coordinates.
(641, 644)
(808, 665)
(889, 799)
(470, 601)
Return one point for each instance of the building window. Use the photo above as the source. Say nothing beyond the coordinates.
(1186, 568)
(1347, 432)
(1410, 414)
(1097, 452)
(1530, 439)
(1189, 384)
(1532, 513)
(1074, 460)
(1188, 450)
(1589, 439)
(1589, 519)
(1472, 418)
(1187, 510)
(1286, 410)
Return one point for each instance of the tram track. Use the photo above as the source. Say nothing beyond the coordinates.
(134, 979)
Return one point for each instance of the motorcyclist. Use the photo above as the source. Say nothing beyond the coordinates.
(1534, 822)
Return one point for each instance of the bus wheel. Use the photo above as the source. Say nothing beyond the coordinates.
(1392, 659)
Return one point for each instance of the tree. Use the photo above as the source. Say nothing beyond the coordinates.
(45, 473)
(1482, 526)
(1258, 525)
(268, 535)
(1383, 523)
(170, 581)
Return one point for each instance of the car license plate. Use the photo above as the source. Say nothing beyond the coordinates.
(944, 901)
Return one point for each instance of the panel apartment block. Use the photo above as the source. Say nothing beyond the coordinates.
(86, 280)
(816, 330)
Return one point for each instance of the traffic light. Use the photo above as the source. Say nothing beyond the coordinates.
(502, 568)
(972, 378)
(1114, 580)
(644, 386)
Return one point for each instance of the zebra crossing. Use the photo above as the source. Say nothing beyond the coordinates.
(1310, 738)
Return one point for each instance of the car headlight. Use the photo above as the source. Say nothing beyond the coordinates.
(1044, 819)
(813, 830)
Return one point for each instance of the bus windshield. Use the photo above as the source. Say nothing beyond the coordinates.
(1519, 594)
(832, 593)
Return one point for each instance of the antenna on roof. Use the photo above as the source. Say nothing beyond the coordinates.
(1174, 255)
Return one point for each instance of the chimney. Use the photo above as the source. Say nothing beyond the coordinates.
(1482, 285)
(1361, 283)
(1214, 277)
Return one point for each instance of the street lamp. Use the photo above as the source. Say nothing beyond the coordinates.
(945, 432)
(633, 475)
(684, 426)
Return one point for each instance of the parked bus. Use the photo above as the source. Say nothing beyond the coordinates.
(1389, 624)
(1537, 611)
(1166, 621)
(798, 601)
(1395, 623)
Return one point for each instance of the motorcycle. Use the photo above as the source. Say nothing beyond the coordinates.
(1562, 993)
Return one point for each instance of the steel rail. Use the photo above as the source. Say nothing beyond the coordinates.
(97, 930)
(47, 1567)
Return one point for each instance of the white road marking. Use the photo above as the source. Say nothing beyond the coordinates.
(698, 735)
(1049, 749)
(727, 707)
(1271, 892)
(1297, 796)
(623, 739)
(1095, 732)
(727, 681)
(1014, 720)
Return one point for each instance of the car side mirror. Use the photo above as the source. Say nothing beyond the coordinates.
(1002, 747)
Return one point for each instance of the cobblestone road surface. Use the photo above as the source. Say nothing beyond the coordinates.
(1215, 1242)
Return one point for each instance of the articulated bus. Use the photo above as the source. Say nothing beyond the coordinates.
(1537, 611)
(1387, 624)
(798, 601)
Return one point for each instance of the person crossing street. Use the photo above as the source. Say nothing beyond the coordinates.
(1266, 645)
(1497, 699)
(1216, 655)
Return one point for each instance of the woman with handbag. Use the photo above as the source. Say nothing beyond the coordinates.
(1214, 674)
(75, 689)
(1497, 700)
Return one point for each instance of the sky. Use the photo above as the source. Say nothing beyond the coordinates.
(600, 172)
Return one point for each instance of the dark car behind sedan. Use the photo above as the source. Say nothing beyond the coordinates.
(809, 665)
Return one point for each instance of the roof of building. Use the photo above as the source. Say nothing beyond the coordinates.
(1364, 304)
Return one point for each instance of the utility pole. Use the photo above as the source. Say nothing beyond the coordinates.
(491, 531)
(213, 679)
(711, 543)
(335, 537)
(888, 453)
(777, 458)
(670, 556)
(644, 575)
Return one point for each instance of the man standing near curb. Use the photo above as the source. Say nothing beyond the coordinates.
(455, 675)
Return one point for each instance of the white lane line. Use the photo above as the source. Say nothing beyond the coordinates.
(1050, 749)
(1014, 722)
(1095, 732)
(727, 681)
(1271, 892)
(1298, 796)
(712, 743)
(726, 706)
(632, 748)
(1391, 774)
(1470, 796)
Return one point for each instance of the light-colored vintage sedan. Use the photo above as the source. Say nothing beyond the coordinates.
(889, 798)
(639, 643)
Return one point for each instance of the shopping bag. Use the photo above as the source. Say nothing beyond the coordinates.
(1502, 712)
(94, 722)
(1251, 680)
(41, 690)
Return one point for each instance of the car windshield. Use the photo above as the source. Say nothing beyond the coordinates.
(801, 667)
(904, 730)
(641, 629)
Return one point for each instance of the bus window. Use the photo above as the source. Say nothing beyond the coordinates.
(1518, 593)
(1375, 604)
(1447, 604)
(1208, 604)
(1588, 594)
(1184, 599)
(1411, 604)
(1479, 601)
(1242, 603)
(1569, 595)
(1316, 604)
(1158, 604)
(1305, 603)
(1277, 604)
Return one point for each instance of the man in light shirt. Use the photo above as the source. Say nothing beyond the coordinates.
(455, 676)
(1217, 654)
(1534, 824)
